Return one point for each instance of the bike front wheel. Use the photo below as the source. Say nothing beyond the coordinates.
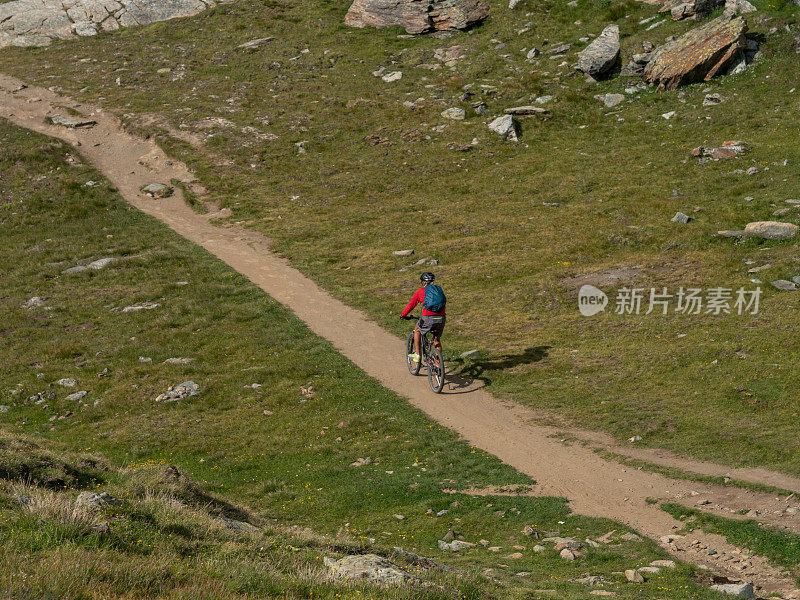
(436, 370)
(413, 366)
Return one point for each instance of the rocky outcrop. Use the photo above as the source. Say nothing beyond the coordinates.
(602, 55)
(417, 16)
(39, 22)
(369, 567)
(690, 9)
(698, 55)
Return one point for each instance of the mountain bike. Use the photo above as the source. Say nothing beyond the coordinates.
(431, 357)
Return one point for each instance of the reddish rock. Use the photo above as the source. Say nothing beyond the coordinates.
(698, 55)
(417, 16)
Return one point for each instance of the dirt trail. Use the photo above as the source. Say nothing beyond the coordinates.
(593, 486)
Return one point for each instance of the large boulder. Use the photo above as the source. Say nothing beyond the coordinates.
(602, 55)
(690, 9)
(771, 230)
(417, 16)
(698, 55)
(369, 567)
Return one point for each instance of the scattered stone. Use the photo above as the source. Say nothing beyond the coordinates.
(681, 218)
(157, 190)
(506, 127)
(528, 530)
(101, 263)
(784, 285)
(729, 149)
(399, 517)
(145, 359)
(417, 16)
(650, 570)
(668, 115)
(611, 100)
(526, 111)
(514, 556)
(455, 113)
(35, 302)
(94, 501)
(634, 576)
(67, 382)
(532, 53)
(370, 567)
(698, 55)
(668, 564)
(255, 44)
(771, 230)
(471, 354)
(739, 7)
(174, 360)
(539, 548)
(178, 392)
(602, 55)
(630, 537)
(450, 55)
(542, 99)
(393, 76)
(76, 396)
(442, 512)
(590, 580)
(712, 100)
(567, 554)
(743, 590)
(64, 120)
(602, 593)
(142, 306)
(636, 438)
(457, 545)
(403, 252)
(236, 525)
(4, 408)
(360, 462)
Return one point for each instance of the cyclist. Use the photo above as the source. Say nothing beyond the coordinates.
(433, 313)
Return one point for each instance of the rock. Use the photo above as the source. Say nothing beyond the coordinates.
(667, 564)
(743, 590)
(636, 438)
(686, 9)
(506, 127)
(255, 44)
(590, 580)
(602, 55)
(403, 252)
(157, 190)
(4, 408)
(76, 396)
(668, 115)
(236, 525)
(76, 269)
(532, 53)
(39, 22)
(67, 382)
(442, 512)
(94, 501)
(182, 360)
(393, 76)
(449, 56)
(457, 545)
(369, 567)
(567, 554)
(526, 111)
(732, 233)
(634, 576)
(417, 16)
(514, 556)
(68, 121)
(142, 306)
(650, 570)
(35, 302)
(712, 100)
(699, 54)
(771, 230)
(630, 537)
(473, 354)
(739, 7)
(480, 109)
(635, 68)
(602, 593)
(729, 149)
(455, 113)
(539, 549)
(145, 359)
(360, 462)
(784, 285)
(180, 391)
(101, 263)
(681, 218)
(542, 99)
(528, 530)
(793, 510)
(611, 100)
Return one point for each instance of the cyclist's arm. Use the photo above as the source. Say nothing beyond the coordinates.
(415, 299)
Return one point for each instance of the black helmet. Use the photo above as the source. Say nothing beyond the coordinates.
(427, 277)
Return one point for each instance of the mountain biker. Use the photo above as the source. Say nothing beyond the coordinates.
(431, 320)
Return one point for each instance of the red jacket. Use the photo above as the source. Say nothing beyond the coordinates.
(419, 298)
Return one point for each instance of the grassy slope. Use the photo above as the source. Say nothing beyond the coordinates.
(339, 210)
(291, 466)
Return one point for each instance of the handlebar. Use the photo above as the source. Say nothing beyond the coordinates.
(409, 317)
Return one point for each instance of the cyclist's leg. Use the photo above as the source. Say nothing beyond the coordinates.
(417, 340)
(437, 331)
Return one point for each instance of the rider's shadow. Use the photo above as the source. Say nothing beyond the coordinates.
(465, 371)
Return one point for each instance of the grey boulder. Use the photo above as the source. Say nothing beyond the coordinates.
(602, 55)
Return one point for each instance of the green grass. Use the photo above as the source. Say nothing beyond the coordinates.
(269, 454)
(780, 547)
(619, 176)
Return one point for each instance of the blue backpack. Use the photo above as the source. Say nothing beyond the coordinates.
(435, 299)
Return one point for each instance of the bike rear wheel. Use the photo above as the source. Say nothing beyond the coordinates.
(435, 370)
(413, 367)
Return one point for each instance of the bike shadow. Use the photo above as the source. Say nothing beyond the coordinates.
(463, 372)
